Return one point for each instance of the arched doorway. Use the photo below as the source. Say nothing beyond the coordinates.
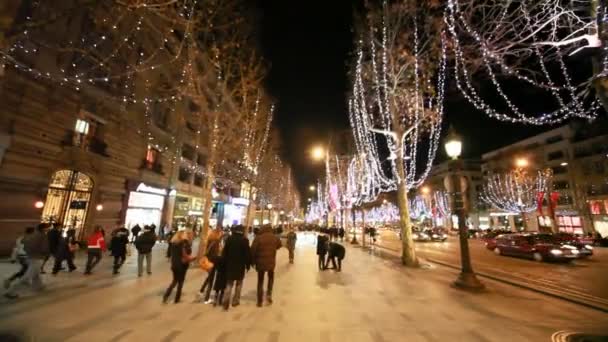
(68, 198)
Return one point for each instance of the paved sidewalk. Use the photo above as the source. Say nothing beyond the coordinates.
(373, 299)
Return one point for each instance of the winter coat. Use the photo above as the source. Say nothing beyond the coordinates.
(135, 230)
(236, 256)
(36, 245)
(96, 240)
(341, 232)
(264, 250)
(220, 274)
(145, 242)
(118, 244)
(336, 250)
(54, 237)
(322, 244)
(213, 250)
(291, 240)
(177, 249)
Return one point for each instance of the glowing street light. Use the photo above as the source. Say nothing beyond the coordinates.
(39, 204)
(521, 162)
(312, 188)
(425, 190)
(317, 153)
(453, 144)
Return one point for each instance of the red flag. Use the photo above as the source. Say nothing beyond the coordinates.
(539, 202)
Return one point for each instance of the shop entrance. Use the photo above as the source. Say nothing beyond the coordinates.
(67, 201)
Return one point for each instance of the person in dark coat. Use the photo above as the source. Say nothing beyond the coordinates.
(135, 231)
(264, 257)
(213, 253)
(144, 244)
(336, 254)
(341, 233)
(53, 235)
(237, 259)
(118, 246)
(181, 256)
(65, 251)
(219, 284)
(322, 241)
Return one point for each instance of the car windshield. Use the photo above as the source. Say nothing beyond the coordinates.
(542, 238)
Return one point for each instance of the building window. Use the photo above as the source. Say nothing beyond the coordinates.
(596, 207)
(201, 160)
(564, 200)
(554, 139)
(599, 168)
(184, 175)
(570, 224)
(245, 190)
(555, 155)
(82, 126)
(561, 185)
(188, 152)
(558, 170)
(198, 180)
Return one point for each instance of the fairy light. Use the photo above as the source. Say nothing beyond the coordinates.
(514, 191)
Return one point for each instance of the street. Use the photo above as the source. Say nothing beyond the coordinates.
(584, 278)
(372, 299)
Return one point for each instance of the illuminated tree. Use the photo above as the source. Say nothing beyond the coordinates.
(398, 88)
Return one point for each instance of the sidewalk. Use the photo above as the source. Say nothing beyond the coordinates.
(373, 299)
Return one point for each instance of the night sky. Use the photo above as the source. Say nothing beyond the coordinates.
(308, 45)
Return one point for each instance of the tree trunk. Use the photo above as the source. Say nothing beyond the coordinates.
(207, 206)
(408, 256)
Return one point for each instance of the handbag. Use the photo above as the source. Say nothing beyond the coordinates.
(205, 264)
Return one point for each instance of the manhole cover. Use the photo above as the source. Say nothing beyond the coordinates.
(571, 336)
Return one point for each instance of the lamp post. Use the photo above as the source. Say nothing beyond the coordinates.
(456, 185)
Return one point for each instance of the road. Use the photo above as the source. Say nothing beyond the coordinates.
(587, 278)
(374, 299)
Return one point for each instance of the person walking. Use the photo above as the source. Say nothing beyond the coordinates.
(322, 241)
(64, 252)
(21, 257)
(264, 255)
(292, 237)
(336, 255)
(341, 233)
(135, 232)
(53, 236)
(36, 246)
(118, 247)
(181, 250)
(96, 244)
(212, 253)
(237, 259)
(144, 244)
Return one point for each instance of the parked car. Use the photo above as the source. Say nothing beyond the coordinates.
(583, 245)
(420, 235)
(539, 247)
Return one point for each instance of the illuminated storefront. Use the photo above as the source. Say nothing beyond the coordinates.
(235, 212)
(145, 205)
(599, 214)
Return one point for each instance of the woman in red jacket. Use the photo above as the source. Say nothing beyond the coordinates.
(96, 245)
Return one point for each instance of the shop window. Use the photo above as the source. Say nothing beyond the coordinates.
(570, 224)
(595, 207)
(184, 175)
(198, 180)
(555, 155)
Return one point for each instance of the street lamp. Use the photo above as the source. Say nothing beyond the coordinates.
(425, 190)
(269, 207)
(317, 153)
(521, 162)
(456, 185)
(312, 188)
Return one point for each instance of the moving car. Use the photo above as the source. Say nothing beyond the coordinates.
(584, 246)
(420, 235)
(539, 247)
(437, 234)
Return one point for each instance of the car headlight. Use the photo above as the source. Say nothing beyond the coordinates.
(424, 235)
(556, 252)
(589, 247)
(569, 247)
(575, 251)
(435, 236)
(443, 235)
(415, 235)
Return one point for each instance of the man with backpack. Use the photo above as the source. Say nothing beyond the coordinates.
(144, 244)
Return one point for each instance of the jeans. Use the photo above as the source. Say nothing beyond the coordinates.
(32, 276)
(208, 284)
(93, 259)
(179, 276)
(23, 261)
(118, 261)
(140, 263)
(261, 286)
(237, 293)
